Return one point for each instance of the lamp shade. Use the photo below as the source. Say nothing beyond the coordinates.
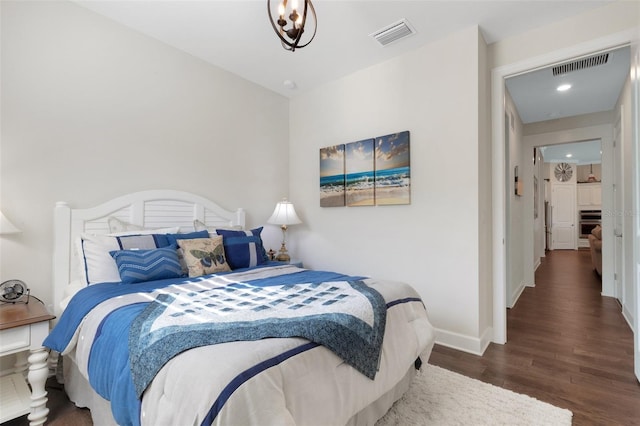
(6, 227)
(284, 214)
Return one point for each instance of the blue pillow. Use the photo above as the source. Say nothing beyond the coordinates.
(243, 249)
(172, 239)
(147, 265)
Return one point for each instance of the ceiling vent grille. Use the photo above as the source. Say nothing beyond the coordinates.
(592, 61)
(393, 32)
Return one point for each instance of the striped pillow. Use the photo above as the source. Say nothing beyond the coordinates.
(147, 265)
(244, 249)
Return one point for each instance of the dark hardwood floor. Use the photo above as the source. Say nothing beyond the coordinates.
(566, 345)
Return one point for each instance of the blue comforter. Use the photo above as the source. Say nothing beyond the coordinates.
(117, 383)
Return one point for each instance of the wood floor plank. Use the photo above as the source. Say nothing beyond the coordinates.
(567, 345)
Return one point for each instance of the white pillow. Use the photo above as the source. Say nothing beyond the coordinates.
(97, 265)
(72, 288)
(198, 225)
(118, 225)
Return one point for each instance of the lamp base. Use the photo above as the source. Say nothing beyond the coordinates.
(283, 256)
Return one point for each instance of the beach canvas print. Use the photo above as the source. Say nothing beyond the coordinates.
(332, 176)
(359, 178)
(392, 169)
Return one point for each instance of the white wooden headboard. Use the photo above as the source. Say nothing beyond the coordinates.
(150, 209)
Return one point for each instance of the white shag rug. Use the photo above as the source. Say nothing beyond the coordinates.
(442, 397)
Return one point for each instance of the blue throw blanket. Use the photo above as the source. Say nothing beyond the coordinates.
(347, 317)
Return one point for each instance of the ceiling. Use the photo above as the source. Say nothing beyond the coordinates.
(594, 88)
(236, 34)
(587, 152)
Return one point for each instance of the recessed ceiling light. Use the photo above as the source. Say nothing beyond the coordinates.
(569, 155)
(563, 87)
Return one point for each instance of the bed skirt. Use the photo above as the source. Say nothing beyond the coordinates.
(82, 395)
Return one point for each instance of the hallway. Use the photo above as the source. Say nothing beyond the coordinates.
(567, 345)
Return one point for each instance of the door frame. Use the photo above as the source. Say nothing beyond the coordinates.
(499, 170)
(635, 193)
(618, 199)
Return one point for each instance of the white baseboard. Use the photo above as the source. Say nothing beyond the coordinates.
(461, 342)
(516, 295)
(628, 316)
(537, 265)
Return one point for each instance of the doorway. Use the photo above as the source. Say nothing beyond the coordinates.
(500, 175)
(584, 161)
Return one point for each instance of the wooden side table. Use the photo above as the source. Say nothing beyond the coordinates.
(24, 327)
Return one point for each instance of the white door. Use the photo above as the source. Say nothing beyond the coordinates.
(618, 207)
(563, 227)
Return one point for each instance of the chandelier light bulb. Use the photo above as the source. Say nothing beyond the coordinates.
(290, 30)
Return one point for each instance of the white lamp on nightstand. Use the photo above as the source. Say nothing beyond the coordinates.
(284, 215)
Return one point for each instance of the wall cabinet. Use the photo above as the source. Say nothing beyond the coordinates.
(590, 196)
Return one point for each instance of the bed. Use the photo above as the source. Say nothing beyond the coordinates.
(198, 327)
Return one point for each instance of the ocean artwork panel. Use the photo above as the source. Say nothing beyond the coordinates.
(392, 169)
(360, 173)
(332, 191)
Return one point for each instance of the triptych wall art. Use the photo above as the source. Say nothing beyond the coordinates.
(367, 172)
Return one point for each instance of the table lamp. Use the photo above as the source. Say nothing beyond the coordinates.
(284, 215)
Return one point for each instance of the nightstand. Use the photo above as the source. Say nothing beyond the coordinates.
(23, 327)
(296, 262)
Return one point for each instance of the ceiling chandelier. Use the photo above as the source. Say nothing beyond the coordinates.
(291, 37)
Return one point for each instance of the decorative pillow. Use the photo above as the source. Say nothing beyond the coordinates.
(244, 249)
(198, 225)
(147, 265)
(96, 263)
(204, 256)
(173, 240)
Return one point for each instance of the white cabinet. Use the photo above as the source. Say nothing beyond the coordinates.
(590, 196)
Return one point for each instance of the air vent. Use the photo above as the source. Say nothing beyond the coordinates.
(592, 61)
(393, 32)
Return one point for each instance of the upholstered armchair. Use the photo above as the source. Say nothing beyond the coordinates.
(595, 244)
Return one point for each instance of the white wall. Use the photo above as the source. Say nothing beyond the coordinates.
(433, 243)
(485, 326)
(92, 110)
